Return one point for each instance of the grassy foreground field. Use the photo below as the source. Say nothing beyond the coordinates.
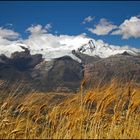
(110, 112)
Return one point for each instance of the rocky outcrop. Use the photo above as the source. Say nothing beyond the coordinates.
(61, 74)
(85, 59)
(17, 68)
(123, 67)
(21, 60)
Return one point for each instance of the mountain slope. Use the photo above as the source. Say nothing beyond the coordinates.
(122, 67)
(61, 74)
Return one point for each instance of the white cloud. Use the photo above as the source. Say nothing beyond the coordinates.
(103, 27)
(8, 38)
(129, 28)
(51, 45)
(88, 19)
(40, 41)
(54, 46)
(8, 34)
(37, 30)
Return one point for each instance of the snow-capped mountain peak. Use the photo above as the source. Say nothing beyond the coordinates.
(87, 47)
(63, 45)
(103, 50)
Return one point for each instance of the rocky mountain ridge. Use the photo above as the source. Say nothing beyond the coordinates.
(64, 74)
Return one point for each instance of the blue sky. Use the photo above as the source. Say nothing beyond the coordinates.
(66, 17)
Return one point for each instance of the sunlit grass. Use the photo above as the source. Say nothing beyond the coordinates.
(111, 112)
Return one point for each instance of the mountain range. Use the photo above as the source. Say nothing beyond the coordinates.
(63, 69)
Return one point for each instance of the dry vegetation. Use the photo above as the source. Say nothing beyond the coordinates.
(111, 112)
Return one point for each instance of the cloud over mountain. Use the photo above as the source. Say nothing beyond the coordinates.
(41, 41)
(51, 45)
(8, 34)
(37, 29)
(129, 28)
(103, 27)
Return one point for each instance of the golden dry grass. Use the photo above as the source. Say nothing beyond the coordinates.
(111, 112)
